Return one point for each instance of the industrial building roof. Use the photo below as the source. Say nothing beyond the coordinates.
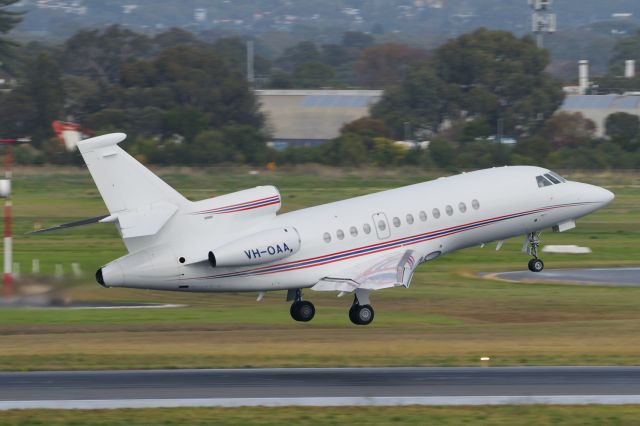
(612, 102)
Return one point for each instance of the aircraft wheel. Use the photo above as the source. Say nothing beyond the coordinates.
(302, 310)
(361, 314)
(536, 265)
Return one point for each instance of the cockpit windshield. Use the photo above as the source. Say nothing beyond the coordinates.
(542, 181)
(549, 179)
(557, 176)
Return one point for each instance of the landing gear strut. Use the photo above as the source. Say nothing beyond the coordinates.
(360, 314)
(302, 310)
(532, 243)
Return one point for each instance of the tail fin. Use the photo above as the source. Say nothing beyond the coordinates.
(124, 183)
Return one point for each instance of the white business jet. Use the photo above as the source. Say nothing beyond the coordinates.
(236, 242)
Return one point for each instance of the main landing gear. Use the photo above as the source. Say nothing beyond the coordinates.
(532, 243)
(301, 310)
(361, 314)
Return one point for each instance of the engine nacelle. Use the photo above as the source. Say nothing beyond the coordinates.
(256, 249)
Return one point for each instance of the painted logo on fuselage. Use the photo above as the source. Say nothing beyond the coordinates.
(271, 250)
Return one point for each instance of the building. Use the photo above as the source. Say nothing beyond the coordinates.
(598, 107)
(312, 117)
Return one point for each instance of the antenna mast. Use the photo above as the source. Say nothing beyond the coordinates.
(543, 20)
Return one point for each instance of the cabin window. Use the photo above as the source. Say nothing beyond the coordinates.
(326, 237)
(396, 222)
(382, 225)
(449, 210)
(410, 219)
(423, 216)
(475, 204)
(542, 181)
(462, 207)
(353, 231)
(340, 234)
(366, 228)
(551, 178)
(436, 213)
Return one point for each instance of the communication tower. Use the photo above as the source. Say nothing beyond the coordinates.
(543, 20)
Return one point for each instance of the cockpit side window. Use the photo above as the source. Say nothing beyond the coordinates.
(551, 178)
(542, 182)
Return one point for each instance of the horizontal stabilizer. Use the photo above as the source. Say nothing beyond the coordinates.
(82, 222)
(144, 221)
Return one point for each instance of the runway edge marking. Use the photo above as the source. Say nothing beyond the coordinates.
(92, 404)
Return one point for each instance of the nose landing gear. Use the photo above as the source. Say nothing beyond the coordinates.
(532, 242)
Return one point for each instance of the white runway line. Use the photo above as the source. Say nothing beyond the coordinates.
(322, 402)
(165, 306)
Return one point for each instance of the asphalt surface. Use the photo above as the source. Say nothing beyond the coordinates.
(627, 277)
(351, 384)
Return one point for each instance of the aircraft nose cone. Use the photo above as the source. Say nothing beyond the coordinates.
(605, 196)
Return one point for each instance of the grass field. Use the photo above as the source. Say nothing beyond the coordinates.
(441, 416)
(447, 317)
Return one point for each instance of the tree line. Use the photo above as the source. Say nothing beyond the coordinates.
(183, 99)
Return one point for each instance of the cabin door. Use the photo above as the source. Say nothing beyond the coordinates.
(381, 224)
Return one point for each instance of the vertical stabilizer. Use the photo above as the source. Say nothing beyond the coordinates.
(124, 183)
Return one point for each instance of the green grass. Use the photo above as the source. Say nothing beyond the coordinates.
(413, 415)
(447, 317)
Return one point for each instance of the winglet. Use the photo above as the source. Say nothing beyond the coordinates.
(101, 141)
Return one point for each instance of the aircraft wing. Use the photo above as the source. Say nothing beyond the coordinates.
(383, 271)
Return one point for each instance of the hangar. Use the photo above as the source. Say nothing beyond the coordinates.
(311, 117)
(598, 107)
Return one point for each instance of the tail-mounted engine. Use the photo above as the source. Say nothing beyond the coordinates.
(257, 249)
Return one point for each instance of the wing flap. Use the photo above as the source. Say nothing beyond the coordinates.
(384, 271)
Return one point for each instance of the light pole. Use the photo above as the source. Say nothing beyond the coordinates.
(5, 192)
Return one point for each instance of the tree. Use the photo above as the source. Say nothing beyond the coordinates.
(313, 74)
(42, 86)
(302, 52)
(99, 55)
(8, 20)
(568, 129)
(422, 99)
(624, 129)
(345, 150)
(488, 74)
(384, 64)
(501, 76)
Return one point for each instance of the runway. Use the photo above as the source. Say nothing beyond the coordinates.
(322, 387)
(626, 277)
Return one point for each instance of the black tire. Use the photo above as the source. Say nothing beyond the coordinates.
(536, 265)
(361, 314)
(302, 310)
(352, 314)
(293, 310)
